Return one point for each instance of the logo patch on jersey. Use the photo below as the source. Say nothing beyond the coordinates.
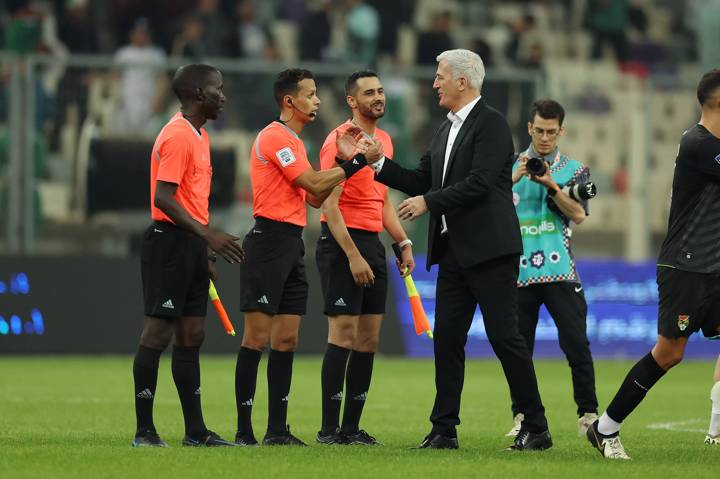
(683, 321)
(717, 158)
(516, 198)
(285, 156)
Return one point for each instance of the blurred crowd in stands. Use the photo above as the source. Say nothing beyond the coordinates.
(583, 49)
(369, 28)
(643, 36)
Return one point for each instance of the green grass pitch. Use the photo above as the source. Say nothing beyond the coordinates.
(72, 417)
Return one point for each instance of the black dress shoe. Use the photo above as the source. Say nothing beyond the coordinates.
(531, 441)
(438, 441)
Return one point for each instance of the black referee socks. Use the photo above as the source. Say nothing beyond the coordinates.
(332, 378)
(186, 373)
(145, 373)
(359, 373)
(279, 376)
(245, 383)
(637, 383)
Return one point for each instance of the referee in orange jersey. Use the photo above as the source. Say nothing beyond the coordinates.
(273, 286)
(178, 256)
(352, 265)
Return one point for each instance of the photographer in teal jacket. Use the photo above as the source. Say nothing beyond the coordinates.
(550, 190)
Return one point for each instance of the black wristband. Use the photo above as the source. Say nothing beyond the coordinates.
(212, 257)
(551, 192)
(339, 160)
(351, 167)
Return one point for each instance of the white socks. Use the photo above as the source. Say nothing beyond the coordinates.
(607, 426)
(714, 429)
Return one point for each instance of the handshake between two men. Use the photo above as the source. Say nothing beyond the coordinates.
(354, 142)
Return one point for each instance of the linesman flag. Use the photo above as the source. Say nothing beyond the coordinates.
(224, 319)
(416, 308)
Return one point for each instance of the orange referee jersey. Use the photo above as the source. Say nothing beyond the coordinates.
(277, 158)
(362, 198)
(181, 155)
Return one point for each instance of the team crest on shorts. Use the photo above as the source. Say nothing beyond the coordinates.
(683, 321)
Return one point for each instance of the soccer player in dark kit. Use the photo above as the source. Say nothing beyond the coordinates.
(688, 269)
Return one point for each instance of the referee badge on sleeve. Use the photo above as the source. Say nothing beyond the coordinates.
(683, 321)
(285, 156)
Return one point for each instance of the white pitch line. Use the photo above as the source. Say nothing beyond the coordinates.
(679, 426)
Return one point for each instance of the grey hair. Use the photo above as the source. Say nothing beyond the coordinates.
(464, 63)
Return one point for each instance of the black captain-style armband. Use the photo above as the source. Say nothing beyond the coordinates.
(352, 166)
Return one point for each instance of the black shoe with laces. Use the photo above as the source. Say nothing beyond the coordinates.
(209, 439)
(330, 438)
(531, 441)
(438, 441)
(148, 438)
(281, 439)
(245, 439)
(361, 438)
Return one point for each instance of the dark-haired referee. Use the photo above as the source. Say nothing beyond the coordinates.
(273, 286)
(688, 270)
(353, 269)
(177, 256)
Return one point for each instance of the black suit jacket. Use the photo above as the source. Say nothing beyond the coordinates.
(476, 196)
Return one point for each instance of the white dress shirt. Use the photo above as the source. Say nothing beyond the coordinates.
(457, 120)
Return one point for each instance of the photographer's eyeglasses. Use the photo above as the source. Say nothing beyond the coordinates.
(549, 133)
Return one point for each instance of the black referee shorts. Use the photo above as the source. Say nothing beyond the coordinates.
(175, 274)
(272, 277)
(341, 295)
(688, 302)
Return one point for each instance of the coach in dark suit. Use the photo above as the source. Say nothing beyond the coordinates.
(464, 181)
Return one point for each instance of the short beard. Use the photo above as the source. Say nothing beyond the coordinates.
(368, 113)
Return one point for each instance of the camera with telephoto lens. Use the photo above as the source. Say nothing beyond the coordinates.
(582, 191)
(536, 166)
